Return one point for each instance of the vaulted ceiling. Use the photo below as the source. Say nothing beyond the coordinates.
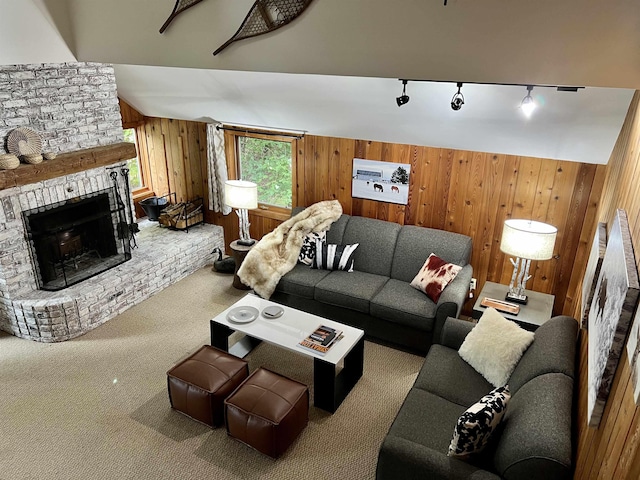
(334, 70)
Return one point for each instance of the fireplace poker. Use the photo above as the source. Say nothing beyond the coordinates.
(123, 227)
(133, 227)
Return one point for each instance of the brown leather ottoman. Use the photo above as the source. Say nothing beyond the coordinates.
(199, 384)
(267, 412)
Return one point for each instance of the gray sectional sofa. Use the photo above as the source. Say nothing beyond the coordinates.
(377, 296)
(534, 439)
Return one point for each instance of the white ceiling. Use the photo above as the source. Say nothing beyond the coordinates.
(343, 58)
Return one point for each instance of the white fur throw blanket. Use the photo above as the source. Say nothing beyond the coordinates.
(278, 251)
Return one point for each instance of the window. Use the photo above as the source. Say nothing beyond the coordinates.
(270, 163)
(136, 179)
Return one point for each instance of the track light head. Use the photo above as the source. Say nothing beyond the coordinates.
(458, 99)
(528, 105)
(404, 98)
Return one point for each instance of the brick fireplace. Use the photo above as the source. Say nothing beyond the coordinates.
(161, 258)
(74, 107)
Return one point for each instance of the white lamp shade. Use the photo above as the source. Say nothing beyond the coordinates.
(528, 239)
(241, 194)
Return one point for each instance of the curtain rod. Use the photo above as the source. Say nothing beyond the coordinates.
(259, 132)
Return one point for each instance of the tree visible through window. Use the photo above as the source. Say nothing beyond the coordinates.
(268, 164)
(135, 175)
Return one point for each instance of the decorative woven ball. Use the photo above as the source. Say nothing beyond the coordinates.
(32, 158)
(9, 161)
(49, 155)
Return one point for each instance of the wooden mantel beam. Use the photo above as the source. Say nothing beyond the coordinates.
(66, 164)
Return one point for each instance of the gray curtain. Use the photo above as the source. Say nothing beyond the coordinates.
(217, 168)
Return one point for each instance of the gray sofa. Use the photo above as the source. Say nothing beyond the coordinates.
(534, 438)
(377, 296)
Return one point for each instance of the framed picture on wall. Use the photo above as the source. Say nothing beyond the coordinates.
(633, 352)
(613, 305)
(382, 181)
(594, 264)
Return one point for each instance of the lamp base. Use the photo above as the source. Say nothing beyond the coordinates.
(246, 243)
(512, 297)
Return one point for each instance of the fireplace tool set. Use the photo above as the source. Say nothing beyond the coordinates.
(127, 228)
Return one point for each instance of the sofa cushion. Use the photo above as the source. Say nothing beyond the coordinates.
(535, 442)
(397, 302)
(552, 351)
(308, 250)
(301, 281)
(494, 346)
(353, 290)
(377, 240)
(477, 424)
(426, 419)
(336, 231)
(415, 244)
(434, 276)
(330, 256)
(445, 374)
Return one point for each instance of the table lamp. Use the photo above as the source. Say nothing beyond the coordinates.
(526, 240)
(242, 196)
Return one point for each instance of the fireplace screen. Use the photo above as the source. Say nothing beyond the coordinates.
(77, 239)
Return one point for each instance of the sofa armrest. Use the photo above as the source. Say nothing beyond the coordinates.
(452, 299)
(454, 331)
(402, 458)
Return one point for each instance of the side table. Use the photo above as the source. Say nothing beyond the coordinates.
(537, 311)
(239, 252)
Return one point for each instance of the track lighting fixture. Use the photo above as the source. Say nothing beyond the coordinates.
(404, 98)
(528, 105)
(458, 99)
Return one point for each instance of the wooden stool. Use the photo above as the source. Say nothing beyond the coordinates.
(267, 412)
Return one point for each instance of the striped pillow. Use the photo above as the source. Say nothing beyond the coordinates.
(334, 257)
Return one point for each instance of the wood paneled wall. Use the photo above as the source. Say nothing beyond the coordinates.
(177, 154)
(612, 451)
(471, 193)
(177, 150)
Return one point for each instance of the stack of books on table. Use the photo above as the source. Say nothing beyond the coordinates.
(322, 339)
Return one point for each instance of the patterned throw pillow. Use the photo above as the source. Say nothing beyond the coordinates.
(434, 276)
(475, 426)
(334, 257)
(308, 250)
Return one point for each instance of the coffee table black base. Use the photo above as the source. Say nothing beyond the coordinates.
(220, 339)
(330, 387)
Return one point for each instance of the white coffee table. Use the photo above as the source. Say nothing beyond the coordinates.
(330, 387)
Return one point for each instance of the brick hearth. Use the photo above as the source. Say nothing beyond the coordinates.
(163, 257)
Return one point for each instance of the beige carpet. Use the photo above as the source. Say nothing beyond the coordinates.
(96, 407)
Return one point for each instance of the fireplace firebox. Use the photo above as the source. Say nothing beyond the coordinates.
(78, 238)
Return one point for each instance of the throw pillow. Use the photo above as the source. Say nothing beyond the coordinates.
(334, 257)
(434, 276)
(475, 426)
(308, 250)
(494, 347)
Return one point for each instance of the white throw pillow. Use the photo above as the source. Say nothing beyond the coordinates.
(494, 347)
